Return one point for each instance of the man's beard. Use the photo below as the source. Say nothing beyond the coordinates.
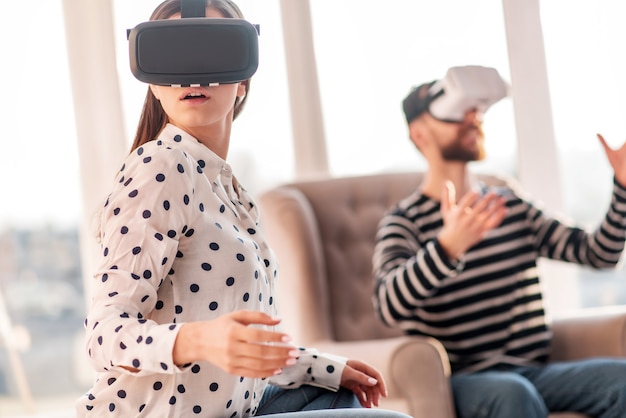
(456, 151)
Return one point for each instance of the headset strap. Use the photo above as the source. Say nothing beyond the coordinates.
(193, 8)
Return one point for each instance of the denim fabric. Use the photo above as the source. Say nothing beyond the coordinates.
(314, 402)
(595, 387)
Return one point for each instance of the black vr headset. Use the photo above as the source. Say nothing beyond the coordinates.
(194, 50)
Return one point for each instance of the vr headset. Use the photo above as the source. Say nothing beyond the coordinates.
(465, 88)
(194, 50)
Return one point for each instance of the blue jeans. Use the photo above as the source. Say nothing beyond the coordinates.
(311, 401)
(595, 387)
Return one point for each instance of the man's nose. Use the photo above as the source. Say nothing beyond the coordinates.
(474, 115)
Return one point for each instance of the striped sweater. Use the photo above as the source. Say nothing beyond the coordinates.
(487, 308)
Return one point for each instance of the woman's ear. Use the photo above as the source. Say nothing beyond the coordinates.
(155, 91)
(241, 89)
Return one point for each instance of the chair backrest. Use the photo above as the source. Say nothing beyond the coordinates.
(323, 232)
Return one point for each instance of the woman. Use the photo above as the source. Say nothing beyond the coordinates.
(183, 314)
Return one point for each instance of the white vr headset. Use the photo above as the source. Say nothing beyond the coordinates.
(462, 89)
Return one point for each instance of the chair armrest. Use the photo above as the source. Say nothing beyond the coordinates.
(416, 370)
(590, 333)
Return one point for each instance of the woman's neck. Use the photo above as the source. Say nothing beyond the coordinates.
(216, 137)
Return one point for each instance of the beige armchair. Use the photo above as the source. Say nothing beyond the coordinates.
(323, 233)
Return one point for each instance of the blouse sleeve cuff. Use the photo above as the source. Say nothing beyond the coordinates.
(312, 368)
(158, 353)
(327, 370)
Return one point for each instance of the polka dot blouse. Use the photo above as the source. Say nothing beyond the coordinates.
(179, 243)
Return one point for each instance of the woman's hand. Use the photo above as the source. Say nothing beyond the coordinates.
(365, 381)
(237, 348)
(617, 159)
(465, 223)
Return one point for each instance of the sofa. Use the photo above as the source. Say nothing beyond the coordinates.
(323, 234)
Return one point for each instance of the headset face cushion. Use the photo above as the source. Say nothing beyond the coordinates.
(193, 51)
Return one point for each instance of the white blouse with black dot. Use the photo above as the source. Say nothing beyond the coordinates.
(179, 244)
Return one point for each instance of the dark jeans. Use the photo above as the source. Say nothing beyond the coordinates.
(310, 402)
(595, 387)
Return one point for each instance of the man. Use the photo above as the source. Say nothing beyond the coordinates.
(465, 270)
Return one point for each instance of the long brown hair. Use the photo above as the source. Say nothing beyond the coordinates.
(153, 119)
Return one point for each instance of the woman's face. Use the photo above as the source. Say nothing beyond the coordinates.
(199, 107)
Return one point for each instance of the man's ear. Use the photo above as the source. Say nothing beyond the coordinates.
(155, 91)
(416, 133)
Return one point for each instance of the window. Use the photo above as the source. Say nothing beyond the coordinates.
(369, 55)
(587, 87)
(40, 277)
